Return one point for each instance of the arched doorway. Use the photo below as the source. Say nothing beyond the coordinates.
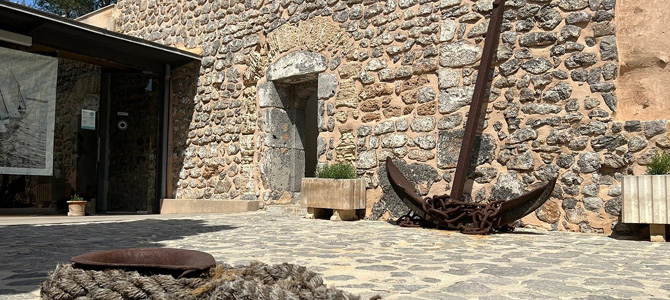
(292, 112)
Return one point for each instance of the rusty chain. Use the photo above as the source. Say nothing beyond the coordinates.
(454, 214)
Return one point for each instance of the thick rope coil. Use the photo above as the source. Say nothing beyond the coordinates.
(255, 281)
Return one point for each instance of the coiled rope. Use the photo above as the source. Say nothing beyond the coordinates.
(255, 281)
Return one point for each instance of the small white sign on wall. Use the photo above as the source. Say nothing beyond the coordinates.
(87, 119)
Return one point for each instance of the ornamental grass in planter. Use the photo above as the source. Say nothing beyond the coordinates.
(645, 197)
(660, 164)
(335, 189)
(336, 171)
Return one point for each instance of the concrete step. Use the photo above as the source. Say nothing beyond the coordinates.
(286, 210)
(194, 206)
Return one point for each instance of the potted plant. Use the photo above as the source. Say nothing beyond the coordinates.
(645, 197)
(335, 188)
(76, 206)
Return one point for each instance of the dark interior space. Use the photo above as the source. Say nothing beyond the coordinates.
(127, 119)
(304, 101)
(133, 131)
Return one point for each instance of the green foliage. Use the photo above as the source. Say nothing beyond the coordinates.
(71, 8)
(660, 164)
(76, 197)
(337, 171)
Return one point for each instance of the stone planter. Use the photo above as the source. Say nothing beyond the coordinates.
(645, 200)
(343, 196)
(76, 208)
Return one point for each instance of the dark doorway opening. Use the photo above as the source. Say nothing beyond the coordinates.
(131, 153)
(304, 108)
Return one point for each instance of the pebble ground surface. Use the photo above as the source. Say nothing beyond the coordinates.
(363, 257)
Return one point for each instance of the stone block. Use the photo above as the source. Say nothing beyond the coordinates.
(394, 140)
(327, 85)
(297, 64)
(653, 128)
(448, 78)
(280, 129)
(459, 54)
(384, 127)
(449, 122)
(367, 159)
(283, 169)
(283, 128)
(272, 94)
(455, 98)
(449, 147)
(484, 150)
(536, 39)
(507, 186)
(523, 162)
(423, 124)
(447, 30)
(321, 118)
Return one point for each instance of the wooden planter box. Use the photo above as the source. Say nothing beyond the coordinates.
(343, 196)
(645, 200)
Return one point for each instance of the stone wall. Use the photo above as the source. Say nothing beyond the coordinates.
(78, 87)
(404, 72)
(182, 112)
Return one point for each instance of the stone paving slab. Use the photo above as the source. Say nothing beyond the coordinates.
(363, 257)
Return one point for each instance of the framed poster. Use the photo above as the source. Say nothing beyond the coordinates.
(27, 112)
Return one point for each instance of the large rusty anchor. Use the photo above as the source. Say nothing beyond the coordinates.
(442, 211)
(449, 211)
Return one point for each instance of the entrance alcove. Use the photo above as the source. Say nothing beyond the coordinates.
(291, 104)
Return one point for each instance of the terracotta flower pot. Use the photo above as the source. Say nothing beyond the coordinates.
(76, 208)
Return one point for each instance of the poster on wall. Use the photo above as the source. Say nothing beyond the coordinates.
(27, 112)
(88, 119)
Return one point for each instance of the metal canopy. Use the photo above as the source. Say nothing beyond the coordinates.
(81, 39)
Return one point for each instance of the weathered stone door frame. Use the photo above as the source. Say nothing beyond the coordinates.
(283, 164)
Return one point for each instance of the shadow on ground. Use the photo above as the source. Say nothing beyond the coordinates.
(29, 252)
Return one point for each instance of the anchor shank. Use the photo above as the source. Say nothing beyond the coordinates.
(474, 115)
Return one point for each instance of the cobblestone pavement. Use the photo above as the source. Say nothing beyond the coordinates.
(364, 257)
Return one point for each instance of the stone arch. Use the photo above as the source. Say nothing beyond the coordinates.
(315, 35)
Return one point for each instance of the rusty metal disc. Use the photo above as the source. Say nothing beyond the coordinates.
(176, 262)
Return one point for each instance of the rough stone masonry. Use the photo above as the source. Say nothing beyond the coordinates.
(395, 79)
